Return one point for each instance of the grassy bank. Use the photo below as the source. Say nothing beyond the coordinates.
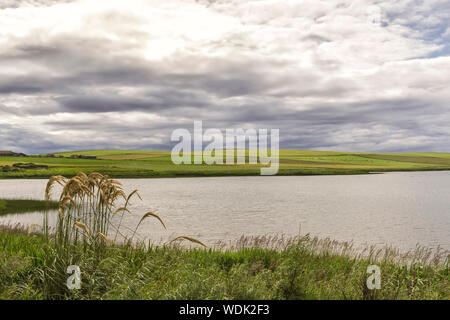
(304, 269)
(9, 206)
(151, 164)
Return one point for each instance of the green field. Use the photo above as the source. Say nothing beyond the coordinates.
(10, 206)
(148, 164)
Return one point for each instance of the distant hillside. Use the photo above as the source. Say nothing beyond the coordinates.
(148, 164)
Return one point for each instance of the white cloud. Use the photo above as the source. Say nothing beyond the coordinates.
(271, 62)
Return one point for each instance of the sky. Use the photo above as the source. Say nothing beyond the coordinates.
(354, 75)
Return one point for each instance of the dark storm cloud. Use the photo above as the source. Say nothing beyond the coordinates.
(155, 100)
(24, 140)
(19, 88)
(105, 104)
(79, 69)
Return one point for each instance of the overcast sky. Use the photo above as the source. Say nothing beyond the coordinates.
(360, 75)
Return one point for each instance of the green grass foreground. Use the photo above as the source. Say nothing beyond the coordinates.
(154, 164)
(9, 206)
(300, 270)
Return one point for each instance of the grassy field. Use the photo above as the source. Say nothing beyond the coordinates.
(148, 164)
(301, 268)
(9, 206)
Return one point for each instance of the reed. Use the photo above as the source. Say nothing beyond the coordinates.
(85, 227)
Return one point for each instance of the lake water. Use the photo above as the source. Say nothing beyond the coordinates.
(399, 209)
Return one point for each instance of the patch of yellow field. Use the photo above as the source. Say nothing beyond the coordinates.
(132, 156)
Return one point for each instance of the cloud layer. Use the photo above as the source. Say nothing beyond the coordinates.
(357, 75)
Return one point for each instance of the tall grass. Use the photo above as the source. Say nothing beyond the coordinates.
(85, 230)
(250, 271)
(86, 206)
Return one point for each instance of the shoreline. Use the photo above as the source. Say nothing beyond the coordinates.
(302, 269)
(171, 175)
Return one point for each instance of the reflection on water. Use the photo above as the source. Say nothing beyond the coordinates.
(400, 209)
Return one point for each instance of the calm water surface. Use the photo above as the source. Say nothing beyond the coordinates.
(400, 209)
